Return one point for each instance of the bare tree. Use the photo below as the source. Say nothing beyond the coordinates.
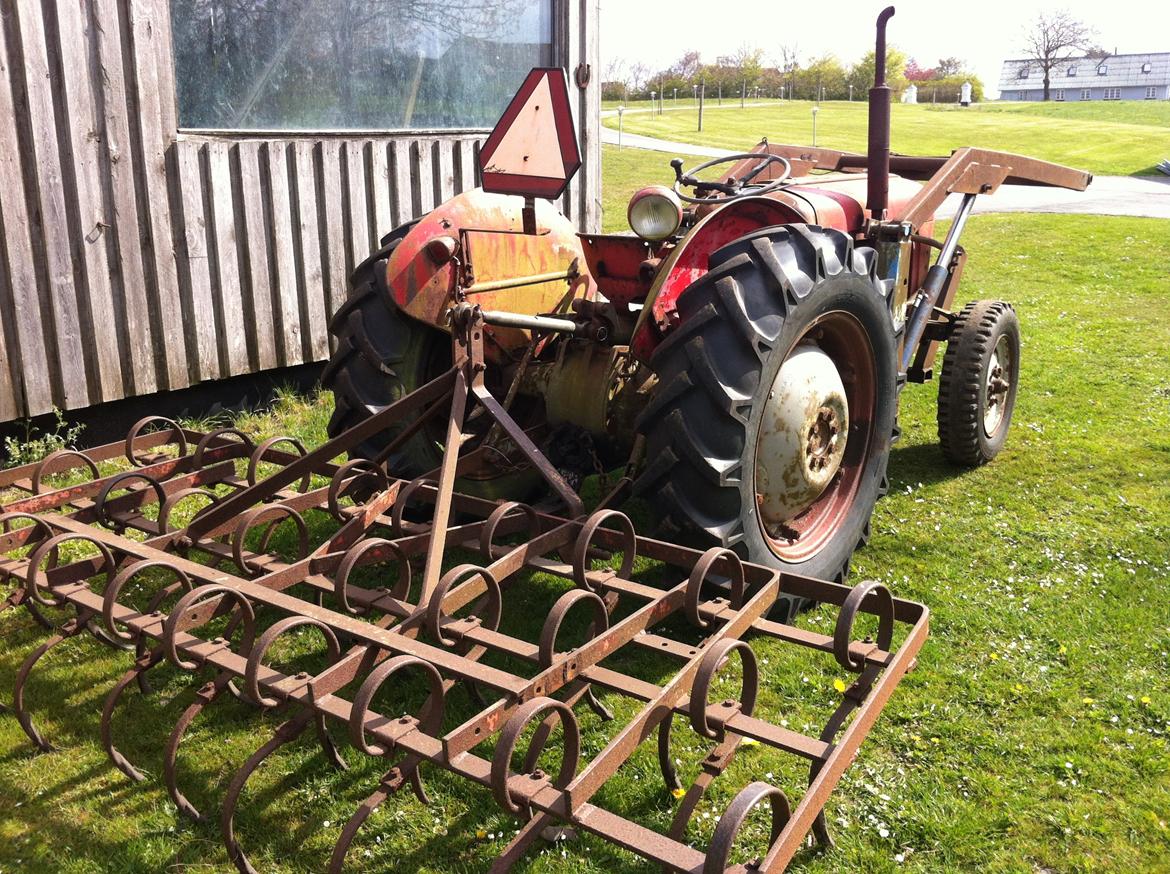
(789, 63)
(1052, 38)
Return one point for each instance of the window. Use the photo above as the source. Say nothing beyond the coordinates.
(1058, 94)
(1023, 72)
(1072, 71)
(1021, 95)
(1112, 93)
(1086, 94)
(1147, 67)
(1102, 70)
(353, 64)
(1152, 93)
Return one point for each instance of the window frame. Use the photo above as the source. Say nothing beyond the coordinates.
(1058, 95)
(1102, 69)
(1086, 94)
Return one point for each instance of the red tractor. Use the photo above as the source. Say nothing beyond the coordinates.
(742, 350)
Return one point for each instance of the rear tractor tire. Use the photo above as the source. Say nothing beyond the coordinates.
(381, 356)
(770, 427)
(980, 376)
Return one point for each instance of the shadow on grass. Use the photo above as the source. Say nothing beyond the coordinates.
(921, 463)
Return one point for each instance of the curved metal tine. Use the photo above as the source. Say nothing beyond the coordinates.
(849, 703)
(390, 783)
(665, 762)
(69, 630)
(205, 695)
(285, 733)
(715, 763)
(574, 693)
(327, 744)
(141, 665)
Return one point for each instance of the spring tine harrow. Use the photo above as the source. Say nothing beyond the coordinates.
(79, 549)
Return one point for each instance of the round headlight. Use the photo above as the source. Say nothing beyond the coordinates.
(655, 213)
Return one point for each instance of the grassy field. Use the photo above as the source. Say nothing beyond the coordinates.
(1031, 738)
(1123, 138)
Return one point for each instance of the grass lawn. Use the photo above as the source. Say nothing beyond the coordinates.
(1118, 138)
(1032, 736)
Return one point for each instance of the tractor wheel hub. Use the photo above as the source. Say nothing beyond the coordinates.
(802, 435)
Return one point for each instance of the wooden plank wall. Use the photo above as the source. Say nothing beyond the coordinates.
(136, 258)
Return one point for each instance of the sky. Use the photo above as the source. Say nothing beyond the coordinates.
(983, 33)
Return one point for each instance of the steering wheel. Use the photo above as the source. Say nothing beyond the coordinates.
(733, 189)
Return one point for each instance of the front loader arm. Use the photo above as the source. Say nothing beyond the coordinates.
(976, 171)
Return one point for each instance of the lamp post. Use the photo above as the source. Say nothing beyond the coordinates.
(850, 91)
(675, 98)
(815, 110)
(695, 92)
(781, 92)
(621, 109)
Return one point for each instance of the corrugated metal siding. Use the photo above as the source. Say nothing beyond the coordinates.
(134, 258)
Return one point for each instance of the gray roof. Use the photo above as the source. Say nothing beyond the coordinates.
(1120, 71)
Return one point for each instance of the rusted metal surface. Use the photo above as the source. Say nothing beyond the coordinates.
(482, 251)
(982, 171)
(219, 566)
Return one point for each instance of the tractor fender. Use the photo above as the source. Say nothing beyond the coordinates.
(687, 262)
(477, 238)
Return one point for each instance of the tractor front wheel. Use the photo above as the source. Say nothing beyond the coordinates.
(770, 427)
(977, 389)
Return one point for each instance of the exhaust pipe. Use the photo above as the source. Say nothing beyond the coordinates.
(879, 126)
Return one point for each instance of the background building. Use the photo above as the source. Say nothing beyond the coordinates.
(1119, 77)
(185, 184)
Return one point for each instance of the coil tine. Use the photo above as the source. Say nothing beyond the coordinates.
(136, 673)
(205, 696)
(67, 632)
(284, 734)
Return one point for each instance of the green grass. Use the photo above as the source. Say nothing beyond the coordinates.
(1122, 138)
(1031, 737)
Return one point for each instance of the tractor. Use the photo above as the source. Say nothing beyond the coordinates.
(742, 349)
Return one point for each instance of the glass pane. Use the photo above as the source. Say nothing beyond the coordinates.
(364, 64)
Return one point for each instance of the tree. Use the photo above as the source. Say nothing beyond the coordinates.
(949, 67)
(1054, 37)
(825, 76)
(861, 75)
(915, 73)
(789, 64)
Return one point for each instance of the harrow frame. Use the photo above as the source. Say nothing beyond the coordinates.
(373, 634)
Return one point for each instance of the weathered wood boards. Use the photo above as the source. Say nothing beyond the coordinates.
(136, 258)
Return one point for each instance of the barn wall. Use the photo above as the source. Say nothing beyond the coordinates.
(136, 258)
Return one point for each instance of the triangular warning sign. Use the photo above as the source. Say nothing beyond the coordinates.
(532, 151)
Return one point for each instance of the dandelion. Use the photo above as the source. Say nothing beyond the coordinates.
(678, 793)
(839, 684)
(1088, 700)
(994, 656)
(481, 834)
(750, 742)
(1147, 700)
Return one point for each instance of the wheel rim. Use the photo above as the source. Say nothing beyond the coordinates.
(841, 337)
(997, 386)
